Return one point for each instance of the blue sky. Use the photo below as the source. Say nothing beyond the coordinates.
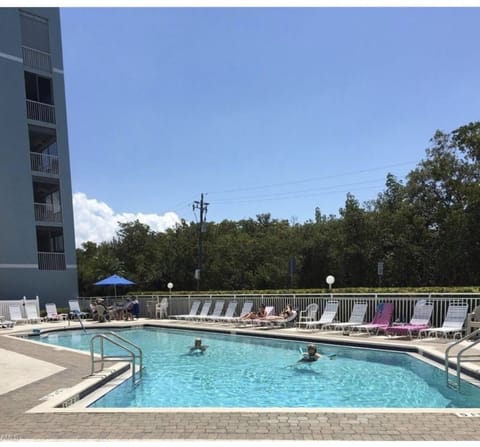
(276, 110)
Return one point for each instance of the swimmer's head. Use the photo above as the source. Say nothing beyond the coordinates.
(198, 342)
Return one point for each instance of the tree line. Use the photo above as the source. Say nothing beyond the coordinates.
(424, 231)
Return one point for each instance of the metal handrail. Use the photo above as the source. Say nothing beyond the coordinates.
(459, 356)
(78, 317)
(108, 358)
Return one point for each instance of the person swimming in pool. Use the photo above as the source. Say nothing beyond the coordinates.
(198, 348)
(311, 355)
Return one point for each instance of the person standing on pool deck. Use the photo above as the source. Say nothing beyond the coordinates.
(311, 355)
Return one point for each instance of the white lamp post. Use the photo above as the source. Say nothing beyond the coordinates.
(330, 279)
(170, 287)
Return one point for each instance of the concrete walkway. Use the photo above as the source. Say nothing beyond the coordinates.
(44, 370)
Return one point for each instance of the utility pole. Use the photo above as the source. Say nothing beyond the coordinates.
(202, 206)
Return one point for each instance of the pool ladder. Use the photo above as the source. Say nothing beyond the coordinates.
(76, 315)
(459, 355)
(133, 354)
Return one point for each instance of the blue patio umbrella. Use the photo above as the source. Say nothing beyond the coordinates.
(114, 280)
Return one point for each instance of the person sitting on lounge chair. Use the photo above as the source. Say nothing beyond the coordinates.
(252, 315)
(197, 348)
(131, 309)
(311, 355)
(287, 311)
(101, 310)
(284, 314)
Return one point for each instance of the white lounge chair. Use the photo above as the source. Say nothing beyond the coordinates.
(269, 312)
(16, 314)
(52, 314)
(327, 317)
(6, 323)
(193, 311)
(203, 311)
(32, 313)
(229, 313)
(381, 321)
(419, 321)
(217, 311)
(277, 321)
(75, 310)
(356, 317)
(246, 309)
(453, 323)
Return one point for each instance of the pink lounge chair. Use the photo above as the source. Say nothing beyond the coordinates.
(380, 322)
(420, 321)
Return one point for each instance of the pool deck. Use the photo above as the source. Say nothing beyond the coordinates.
(32, 371)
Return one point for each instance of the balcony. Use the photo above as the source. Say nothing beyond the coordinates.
(44, 164)
(51, 261)
(40, 111)
(45, 212)
(37, 59)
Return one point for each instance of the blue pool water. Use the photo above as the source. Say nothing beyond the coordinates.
(241, 371)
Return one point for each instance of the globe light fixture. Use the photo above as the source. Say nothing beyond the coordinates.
(330, 279)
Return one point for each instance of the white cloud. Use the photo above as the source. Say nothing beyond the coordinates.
(96, 222)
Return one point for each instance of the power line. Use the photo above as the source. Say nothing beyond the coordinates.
(301, 193)
(312, 179)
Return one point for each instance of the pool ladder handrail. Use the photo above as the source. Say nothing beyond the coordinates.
(79, 318)
(123, 343)
(459, 354)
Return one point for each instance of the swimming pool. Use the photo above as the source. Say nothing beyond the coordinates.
(238, 371)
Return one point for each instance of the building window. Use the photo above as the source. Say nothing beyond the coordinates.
(50, 240)
(43, 140)
(38, 88)
(47, 203)
(34, 32)
(50, 247)
(43, 151)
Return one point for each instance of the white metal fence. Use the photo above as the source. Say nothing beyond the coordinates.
(403, 303)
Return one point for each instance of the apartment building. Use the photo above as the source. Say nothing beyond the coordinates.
(37, 244)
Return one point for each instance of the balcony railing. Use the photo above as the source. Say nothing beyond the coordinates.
(45, 212)
(51, 261)
(44, 163)
(40, 111)
(37, 59)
